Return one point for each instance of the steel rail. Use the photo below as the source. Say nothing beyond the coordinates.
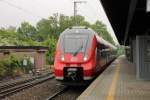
(57, 93)
(18, 87)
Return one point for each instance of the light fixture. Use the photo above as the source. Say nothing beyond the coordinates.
(62, 58)
(85, 58)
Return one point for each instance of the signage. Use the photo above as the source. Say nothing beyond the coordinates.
(148, 6)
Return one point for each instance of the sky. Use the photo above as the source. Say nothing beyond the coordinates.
(13, 12)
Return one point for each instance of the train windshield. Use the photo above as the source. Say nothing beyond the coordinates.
(75, 43)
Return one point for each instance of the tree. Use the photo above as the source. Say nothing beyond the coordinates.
(101, 29)
(26, 30)
(43, 26)
(50, 41)
(78, 21)
(64, 22)
(8, 37)
(46, 33)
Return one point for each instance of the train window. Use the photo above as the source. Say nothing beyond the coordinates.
(72, 43)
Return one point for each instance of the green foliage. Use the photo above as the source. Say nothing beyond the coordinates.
(8, 37)
(120, 50)
(26, 29)
(43, 26)
(101, 29)
(29, 66)
(13, 65)
(3, 70)
(9, 65)
(64, 22)
(51, 43)
(47, 32)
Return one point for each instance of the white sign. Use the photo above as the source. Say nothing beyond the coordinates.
(32, 60)
(148, 6)
(25, 62)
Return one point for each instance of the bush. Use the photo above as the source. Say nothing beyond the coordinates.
(3, 70)
(51, 43)
(13, 66)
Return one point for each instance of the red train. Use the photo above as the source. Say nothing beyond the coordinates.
(80, 55)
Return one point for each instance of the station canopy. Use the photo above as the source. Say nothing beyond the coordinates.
(128, 18)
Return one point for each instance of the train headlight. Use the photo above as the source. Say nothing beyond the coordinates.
(62, 58)
(85, 58)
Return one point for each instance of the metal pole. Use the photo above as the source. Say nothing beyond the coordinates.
(75, 9)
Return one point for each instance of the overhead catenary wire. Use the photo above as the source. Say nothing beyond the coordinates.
(83, 12)
(92, 9)
(20, 8)
(88, 8)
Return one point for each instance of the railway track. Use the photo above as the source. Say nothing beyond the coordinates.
(9, 89)
(64, 88)
(6, 85)
(67, 93)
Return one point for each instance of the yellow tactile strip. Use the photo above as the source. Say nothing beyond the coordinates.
(112, 90)
(129, 88)
(98, 90)
(118, 82)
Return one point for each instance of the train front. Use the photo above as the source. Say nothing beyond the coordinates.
(75, 57)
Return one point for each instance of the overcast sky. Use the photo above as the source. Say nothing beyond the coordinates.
(13, 12)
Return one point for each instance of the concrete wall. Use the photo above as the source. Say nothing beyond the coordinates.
(143, 57)
(134, 52)
(38, 56)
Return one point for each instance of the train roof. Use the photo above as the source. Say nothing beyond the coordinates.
(104, 42)
(85, 30)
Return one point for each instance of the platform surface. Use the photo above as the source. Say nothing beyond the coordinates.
(118, 82)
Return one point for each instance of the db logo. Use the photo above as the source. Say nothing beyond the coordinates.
(73, 59)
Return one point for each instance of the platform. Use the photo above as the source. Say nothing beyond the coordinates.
(118, 82)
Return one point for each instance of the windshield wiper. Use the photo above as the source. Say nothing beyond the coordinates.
(86, 45)
(77, 51)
